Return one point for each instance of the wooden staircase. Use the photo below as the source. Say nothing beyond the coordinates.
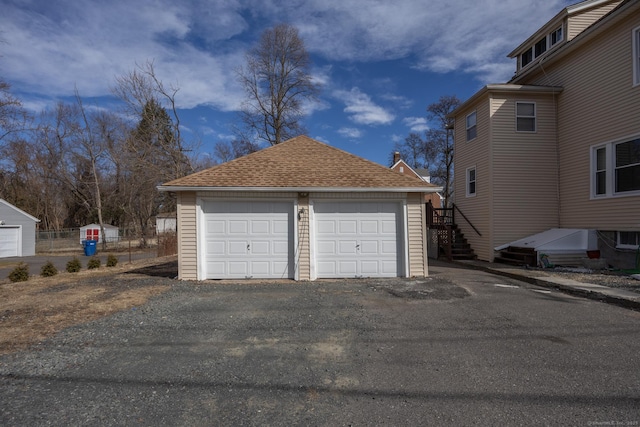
(460, 247)
(517, 256)
(451, 241)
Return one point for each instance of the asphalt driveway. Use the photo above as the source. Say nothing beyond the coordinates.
(462, 347)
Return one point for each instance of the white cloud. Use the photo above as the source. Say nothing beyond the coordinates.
(416, 124)
(361, 109)
(352, 133)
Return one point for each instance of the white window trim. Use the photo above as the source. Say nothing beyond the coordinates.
(534, 117)
(635, 54)
(624, 246)
(550, 46)
(610, 170)
(466, 121)
(467, 182)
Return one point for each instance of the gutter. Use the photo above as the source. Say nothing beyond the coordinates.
(171, 188)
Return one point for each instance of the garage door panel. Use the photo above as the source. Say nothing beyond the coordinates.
(366, 239)
(347, 247)
(348, 227)
(248, 239)
(9, 242)
(281, 247)
(369, 227)
(348, 268)
(280, 227)
(327, 247)
(260, 227)
(369, 247)
(238, 227)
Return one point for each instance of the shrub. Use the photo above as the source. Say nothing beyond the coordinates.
(48, 270)
(74, 265)
(20, 273)
(93, 263)
(112, 260)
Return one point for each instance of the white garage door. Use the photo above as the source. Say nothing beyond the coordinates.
(357, 239)
(248, 239)
(9, 241)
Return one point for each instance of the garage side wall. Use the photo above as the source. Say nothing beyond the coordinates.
(417, 235)
(187, 237)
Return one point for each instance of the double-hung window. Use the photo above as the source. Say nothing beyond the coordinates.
(471, 181)
(525, 116)
(472, 131)
(615, 169)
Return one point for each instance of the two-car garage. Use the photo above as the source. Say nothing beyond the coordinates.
(259, 239)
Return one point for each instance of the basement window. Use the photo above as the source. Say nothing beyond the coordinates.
(628, 240)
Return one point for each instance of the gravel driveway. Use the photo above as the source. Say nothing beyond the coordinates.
(461, 347)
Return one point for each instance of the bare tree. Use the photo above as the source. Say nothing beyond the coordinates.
(13, 117)
(277, 81)
(435, 151)
(440, 143)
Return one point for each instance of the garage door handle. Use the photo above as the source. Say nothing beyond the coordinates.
(358, 247)
(248, 247)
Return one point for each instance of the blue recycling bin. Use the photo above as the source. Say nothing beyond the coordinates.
(89, 247)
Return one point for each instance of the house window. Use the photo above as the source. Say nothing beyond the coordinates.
(526, 57)
(615, 169)
(627, 168)
(471, 181)
(600, 171)
(541, 47)
(471, 126)
(636, 56)
(525, 117)
(628, 239)
(555, 37)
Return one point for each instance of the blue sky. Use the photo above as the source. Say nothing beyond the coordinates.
(381, 62)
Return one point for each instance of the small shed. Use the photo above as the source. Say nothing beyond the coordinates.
(92, 232)
(17, 231)
(166, 223)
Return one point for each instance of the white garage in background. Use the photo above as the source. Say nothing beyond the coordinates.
(17, 231)
(300, 210)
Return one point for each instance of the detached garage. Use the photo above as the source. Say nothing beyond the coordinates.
(17, 231)
(300, 210)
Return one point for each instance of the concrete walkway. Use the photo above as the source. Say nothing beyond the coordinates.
(620, 297)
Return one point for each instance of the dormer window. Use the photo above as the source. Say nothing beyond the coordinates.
(555, 37)
(526, 58)
(541, 47)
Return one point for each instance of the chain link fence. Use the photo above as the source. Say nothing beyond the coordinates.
(70, 240)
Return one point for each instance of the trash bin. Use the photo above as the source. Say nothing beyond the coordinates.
(89, 247)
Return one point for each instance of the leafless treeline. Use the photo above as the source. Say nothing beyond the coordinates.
(75, 163)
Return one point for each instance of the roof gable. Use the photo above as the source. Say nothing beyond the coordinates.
(18, 210)
(299, 163)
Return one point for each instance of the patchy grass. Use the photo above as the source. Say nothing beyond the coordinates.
(37, 309)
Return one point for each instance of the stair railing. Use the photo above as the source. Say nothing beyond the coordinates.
(466, 219)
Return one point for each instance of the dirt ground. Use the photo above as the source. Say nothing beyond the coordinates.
(40, 307)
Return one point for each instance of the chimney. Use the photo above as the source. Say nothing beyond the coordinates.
(396, 157)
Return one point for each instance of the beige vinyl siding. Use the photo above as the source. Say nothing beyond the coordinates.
(302, 254)
(599, 104)
(474, 153)
(416, 230)
(524, 180)
(187, 236)
(580, 21)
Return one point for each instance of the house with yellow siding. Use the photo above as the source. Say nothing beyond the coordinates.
(558, 146)
(300, 210)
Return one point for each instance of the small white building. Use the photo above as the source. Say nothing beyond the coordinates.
(17, 231)
(166, 223)
(92, 232)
